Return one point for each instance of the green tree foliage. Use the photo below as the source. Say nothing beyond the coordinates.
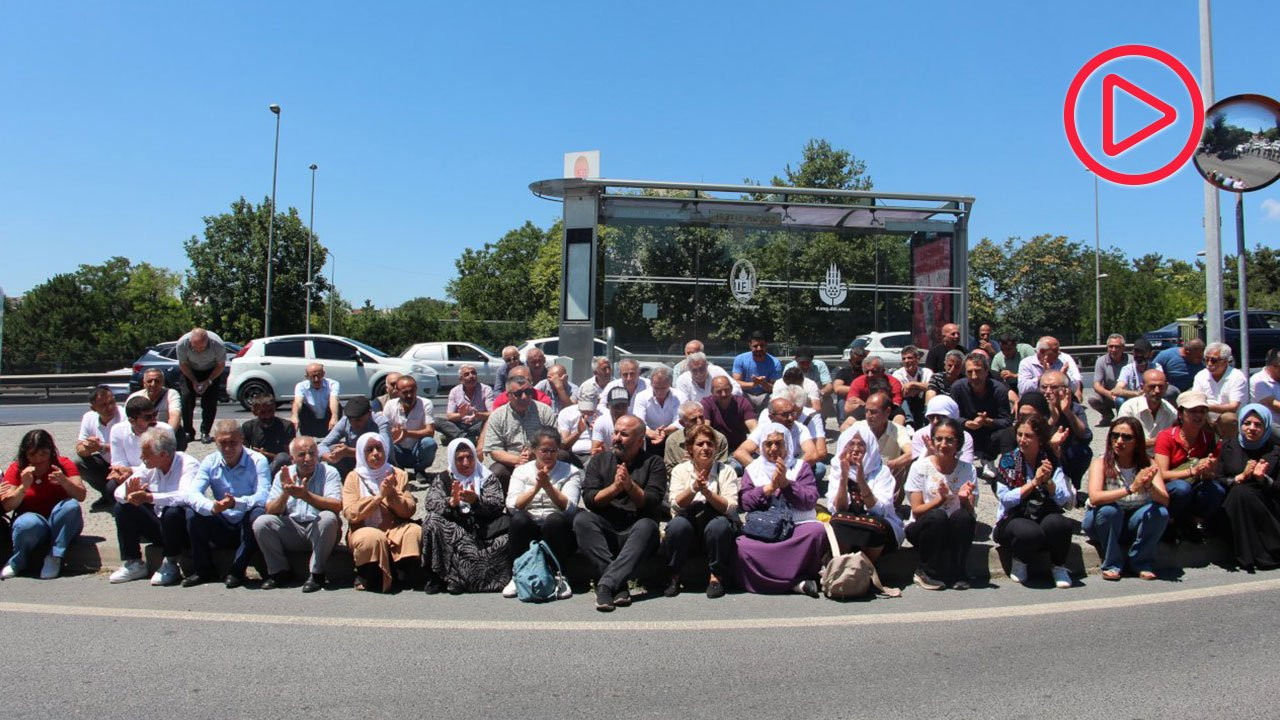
(96, 319)
(1262, 268)
(226, 284)
(513, 285)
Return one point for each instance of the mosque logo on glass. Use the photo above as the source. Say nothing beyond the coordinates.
(743, 281)
(831, 290)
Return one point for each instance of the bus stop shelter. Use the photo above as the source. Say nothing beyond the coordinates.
(663, 262)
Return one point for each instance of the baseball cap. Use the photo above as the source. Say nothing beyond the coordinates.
(1192, 399)
(619, 395)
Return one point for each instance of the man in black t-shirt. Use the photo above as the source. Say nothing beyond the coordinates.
(938, 353)
(267, 433)
(843, 379)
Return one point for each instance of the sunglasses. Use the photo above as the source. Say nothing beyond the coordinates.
(521, 393)
(1127, 437)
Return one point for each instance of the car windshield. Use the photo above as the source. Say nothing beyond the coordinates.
(371, 350)
(860, 342)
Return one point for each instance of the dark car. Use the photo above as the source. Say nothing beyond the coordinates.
(164, 356)
(1264, 333)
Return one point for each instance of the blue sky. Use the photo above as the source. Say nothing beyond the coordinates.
(125, 123)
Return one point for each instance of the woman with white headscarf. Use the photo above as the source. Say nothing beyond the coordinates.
(938, 408)
(860, 496)
(379, 511)
(464, 533)
(777, 477)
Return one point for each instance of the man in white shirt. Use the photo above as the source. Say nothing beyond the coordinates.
(575, 423)
(166, 400)
(601, 376)
(153, 507)
(915, 383)
(659, 408)
(1048, 357)
(315, 403)
(814, 370)
(126, 438)
(412, 428)
(691, 348)
(1225, 387)
(1150, 409)
(785, 412)
(617, 402)
(93, 444)
(630, 380)
(793, 377)
(694, 383)
(1264, 386)
(301, 514)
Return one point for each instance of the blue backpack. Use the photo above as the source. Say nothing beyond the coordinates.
(535, 581)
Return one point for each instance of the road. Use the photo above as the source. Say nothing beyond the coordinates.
(78, 646)
(37, 414)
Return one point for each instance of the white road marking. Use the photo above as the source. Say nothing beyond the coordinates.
(851, 620)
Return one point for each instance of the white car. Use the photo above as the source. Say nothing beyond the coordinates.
(277, 364)
(551, 347)
(885, 345)
(446, 357)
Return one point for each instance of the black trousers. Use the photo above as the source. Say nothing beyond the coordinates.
(943, 542)
(208, 402)
(311, 424)
(555, 529)
(717, 535)
(1026, 537)
(93, 471)
(135, 523)
(615, 555)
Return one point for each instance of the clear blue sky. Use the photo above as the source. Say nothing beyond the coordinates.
(125, 123)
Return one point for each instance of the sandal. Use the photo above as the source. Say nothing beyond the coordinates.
(1147, 575)
(1111, 575)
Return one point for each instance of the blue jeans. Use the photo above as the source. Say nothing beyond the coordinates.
(31, 530)
(1109, 527)
(419, 456)
(1200, 500)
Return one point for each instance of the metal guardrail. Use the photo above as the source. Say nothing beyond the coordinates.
(68, 383)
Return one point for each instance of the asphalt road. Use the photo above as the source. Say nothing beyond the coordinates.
(36, 414)
(1200, 647)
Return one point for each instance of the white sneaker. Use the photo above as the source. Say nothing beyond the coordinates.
(8, 573)
(563, 591)
(52, 568)
(510, 590)
(1061, 577)
(128, 572)
(168, 574)
(1018, 571)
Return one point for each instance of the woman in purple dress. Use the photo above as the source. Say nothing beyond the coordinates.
(793, 564)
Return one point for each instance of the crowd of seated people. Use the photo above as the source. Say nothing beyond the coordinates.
(631, 470)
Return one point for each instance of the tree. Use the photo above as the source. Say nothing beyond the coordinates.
(1262, 268)
(516, 279)
(226, 284)
(96, 319)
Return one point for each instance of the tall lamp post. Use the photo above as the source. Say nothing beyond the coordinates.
(1098, 310)
(333, 266)
(271, 221)
(311, 241)
(1097, 268)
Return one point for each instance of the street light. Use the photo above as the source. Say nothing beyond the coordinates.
(333, 266)
(311, 240)
(1098, 318)
(271, 221)
(1097, 267)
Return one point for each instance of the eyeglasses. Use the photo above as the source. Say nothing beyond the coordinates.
(521, 393)
(1127, 437)
(1115, 347)
(1214, 359)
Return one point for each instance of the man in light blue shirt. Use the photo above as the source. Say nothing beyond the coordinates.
(756, 370)
(813, 368)
(301, 514)
(238, 479)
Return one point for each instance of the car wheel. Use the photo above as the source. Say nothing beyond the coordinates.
(378, 387)
(250, 389)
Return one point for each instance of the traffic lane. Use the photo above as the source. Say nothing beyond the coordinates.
(1069, 665)
(36, 414)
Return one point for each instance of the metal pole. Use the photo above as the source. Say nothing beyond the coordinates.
(1097, 269)
(311, 240)
(2, 296)
(333, 267)
(1212, 216)
(271, 223)
(1241, 285)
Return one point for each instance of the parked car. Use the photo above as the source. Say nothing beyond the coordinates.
(1264, 333)
(446, 357)
(278, 363)
(551, 347)
(885, 345)
(164, 356)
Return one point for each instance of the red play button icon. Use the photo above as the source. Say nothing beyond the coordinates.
(1112, 82)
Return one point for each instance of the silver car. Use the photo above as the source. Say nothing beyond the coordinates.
(447, 357)
(278, 363)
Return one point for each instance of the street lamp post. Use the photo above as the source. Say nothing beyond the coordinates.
(271, 222)
(333, 266)
(1097, 321)
(311, 241)
(1097, 268)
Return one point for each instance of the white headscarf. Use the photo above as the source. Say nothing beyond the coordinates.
(762, 470)
(873, 467)
(942, 405)
(479, 473)
(371, 478)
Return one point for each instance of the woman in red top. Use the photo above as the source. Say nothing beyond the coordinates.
(44, 490)
(1187, 455)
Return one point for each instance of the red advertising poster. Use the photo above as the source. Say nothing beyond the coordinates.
(930, 268)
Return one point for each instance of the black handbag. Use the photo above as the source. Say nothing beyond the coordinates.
(772, 525)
